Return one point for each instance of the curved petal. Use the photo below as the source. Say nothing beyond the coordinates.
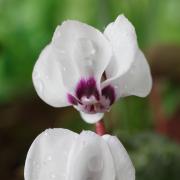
(122, 37)
(88, 50)
(91, 159)
(47, 78)
(48, 155)
(128, 70)
(122, 162)
(136, 81)
(91, 118)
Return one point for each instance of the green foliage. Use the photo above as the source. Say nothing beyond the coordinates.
(132, 114)
(27, 26)
(171, 97)
(154, 157)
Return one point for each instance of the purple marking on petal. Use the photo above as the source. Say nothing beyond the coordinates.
(72, 100)
(92, 108)
(109, 93)
(87, 87)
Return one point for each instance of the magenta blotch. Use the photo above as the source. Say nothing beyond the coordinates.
(109, 93)
(72, 100)
(88, 99)
(87, 88)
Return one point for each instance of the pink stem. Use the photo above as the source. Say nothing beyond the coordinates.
(100, 128)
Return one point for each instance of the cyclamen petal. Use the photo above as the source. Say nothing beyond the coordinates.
(91, 118)
(128, 70)
(65, 155)
(91, 70)
(89, 51)
(122, 37)
(47, 78)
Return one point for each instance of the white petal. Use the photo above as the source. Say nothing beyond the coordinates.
(91, 118)
(91, 159)
(47, 78)
(48, 155)
(122, 37)
(128, 70)
(136, 81)
(89, 51)
(122, 162)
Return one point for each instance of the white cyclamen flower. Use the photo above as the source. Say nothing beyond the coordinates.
(60, 154)
(91, 70)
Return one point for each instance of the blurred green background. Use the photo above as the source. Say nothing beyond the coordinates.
(149, 128)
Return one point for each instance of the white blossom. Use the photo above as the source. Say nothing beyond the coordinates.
(60, 154)
(91, 70)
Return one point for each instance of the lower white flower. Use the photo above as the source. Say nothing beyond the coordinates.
(91, 70)
(64, 155)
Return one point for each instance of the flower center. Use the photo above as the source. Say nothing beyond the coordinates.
(88, 98)
(88, 101)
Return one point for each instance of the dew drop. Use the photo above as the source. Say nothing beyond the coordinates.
(63, 175)
(116, 87)
(49, 158)
(84, 143)
(46, 133)
(38, 81)
(36, 164)
(132, 71)
(95, 164)
(44, 163)
(36, 75)
(57, 32)
(40, 85)
(34, 175)
(65, 154)
(52, 176)
(46, 77)
(93, 51)
(61, 51)
(89, 62)
(85, 47)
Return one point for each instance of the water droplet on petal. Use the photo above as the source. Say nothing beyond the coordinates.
(40, 86)
(57, 33)
(84, 143)
(52, 176)
(65, 154)
(34, 163)
(38, 82)
(36, 75)
(89, 62)
(49, 158)
(46, 77)
(95, 164)
(85, 48)
(46, 133)
(116, 87)
(37, 166)
(61, 51)
(131, 71)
